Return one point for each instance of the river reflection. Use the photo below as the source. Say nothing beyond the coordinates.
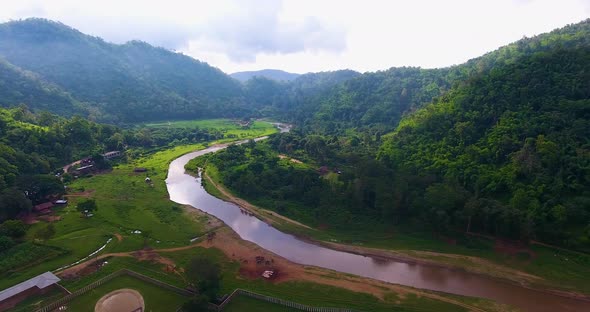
(381, 262)
(185, 189)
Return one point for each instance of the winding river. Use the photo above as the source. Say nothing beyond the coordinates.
(185, 189)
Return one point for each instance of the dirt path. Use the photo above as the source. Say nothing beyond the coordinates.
(119, 237)
(66, 167)
(297, 161)
(266, 215)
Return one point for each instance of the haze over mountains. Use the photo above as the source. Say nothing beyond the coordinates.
(273, 74)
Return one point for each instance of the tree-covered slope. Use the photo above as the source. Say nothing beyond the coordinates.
(19, 86)
(377, 101)
(287, 99)
(128, 82)
(508, 153)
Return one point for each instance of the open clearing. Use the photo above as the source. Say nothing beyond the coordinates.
(232, 129)
(155, 298)
(248, 304)
(120, 300)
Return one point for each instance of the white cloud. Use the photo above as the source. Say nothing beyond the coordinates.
(306, 35)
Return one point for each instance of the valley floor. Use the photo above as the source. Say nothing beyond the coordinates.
(143, 231)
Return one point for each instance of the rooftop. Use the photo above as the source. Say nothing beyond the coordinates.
(39, 281)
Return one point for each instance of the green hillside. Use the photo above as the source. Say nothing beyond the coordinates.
(507, 154)
(128, 82)
(18, 86)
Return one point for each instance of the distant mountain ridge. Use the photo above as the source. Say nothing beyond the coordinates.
(127, 82)
(273, 74)
(50, 66)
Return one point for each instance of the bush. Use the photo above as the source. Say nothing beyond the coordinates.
(200, 303)
(6, 243)
(26, 254)
(46, 232)
(13, 228)
(205, 275)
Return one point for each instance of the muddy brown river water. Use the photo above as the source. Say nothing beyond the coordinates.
(186, 189)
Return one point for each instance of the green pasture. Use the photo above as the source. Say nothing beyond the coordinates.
(126, 203)
(249, 304)
(230, 128)
(155, 298)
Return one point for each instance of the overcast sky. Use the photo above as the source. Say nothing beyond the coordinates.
(312, 35)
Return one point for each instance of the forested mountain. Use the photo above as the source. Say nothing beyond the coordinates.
(507, 151)
(272, 74)
(498, 146)
(50, 66)
(282, 99)
(507, 154)
(128, 82)
(379, 100)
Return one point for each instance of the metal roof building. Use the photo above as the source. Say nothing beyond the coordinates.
(40, 281)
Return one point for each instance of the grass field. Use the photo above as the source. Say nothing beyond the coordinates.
(248, 304)
(38, 301)
(155, 298)
(125, 204)
(313, 294)
(231, 129)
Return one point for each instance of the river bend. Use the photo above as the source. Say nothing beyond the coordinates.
(186, 189)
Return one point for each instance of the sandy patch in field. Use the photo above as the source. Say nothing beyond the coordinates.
(297, 161)
(121, 300)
